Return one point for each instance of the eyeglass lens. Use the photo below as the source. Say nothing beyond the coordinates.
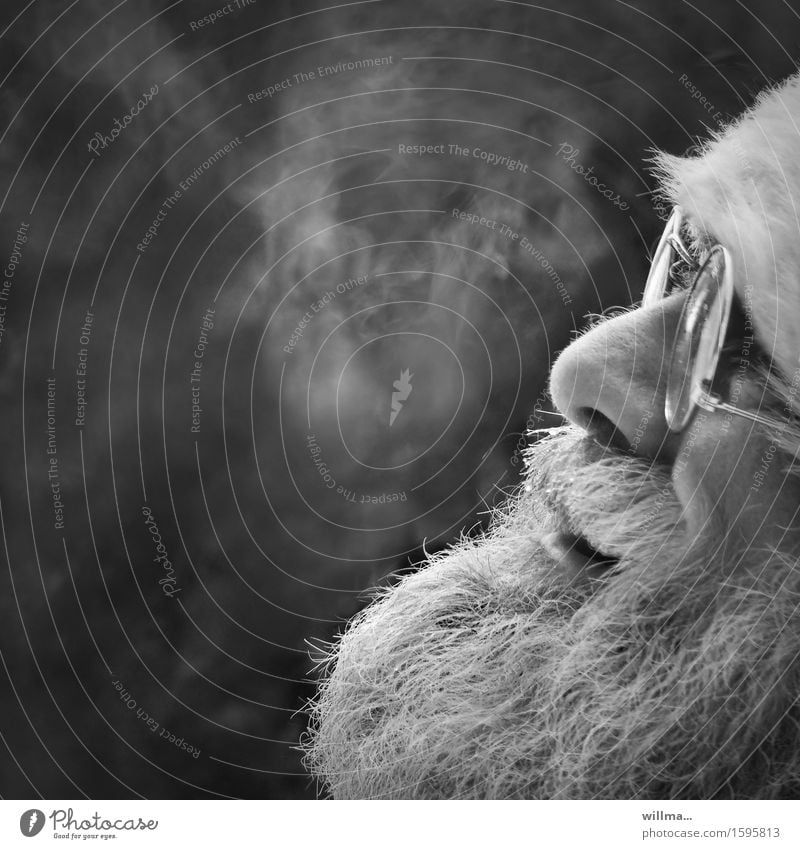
(701, 331)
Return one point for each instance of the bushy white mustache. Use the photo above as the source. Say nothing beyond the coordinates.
(623, 505)
(489, 674)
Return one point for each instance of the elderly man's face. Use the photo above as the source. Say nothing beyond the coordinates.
(630, 626)
(726, 470)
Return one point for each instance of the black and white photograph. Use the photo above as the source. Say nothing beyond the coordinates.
(400, 401)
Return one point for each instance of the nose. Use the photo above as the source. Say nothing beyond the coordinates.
(612, 381)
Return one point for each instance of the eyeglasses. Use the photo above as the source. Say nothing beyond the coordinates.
(702, 327)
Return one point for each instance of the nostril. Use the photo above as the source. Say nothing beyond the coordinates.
(601, 429)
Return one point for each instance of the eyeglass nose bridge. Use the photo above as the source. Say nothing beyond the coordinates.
(677, 243)
(670, 245)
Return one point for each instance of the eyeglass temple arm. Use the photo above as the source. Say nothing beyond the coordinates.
(711, 403)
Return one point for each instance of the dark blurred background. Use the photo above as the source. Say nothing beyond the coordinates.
(258, 353)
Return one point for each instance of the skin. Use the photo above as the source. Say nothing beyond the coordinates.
(627, 629)
(620, 369)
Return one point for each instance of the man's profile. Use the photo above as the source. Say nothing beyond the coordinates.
(630, 625)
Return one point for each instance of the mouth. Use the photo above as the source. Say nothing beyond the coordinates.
(574, 553)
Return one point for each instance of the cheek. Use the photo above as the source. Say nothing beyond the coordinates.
(731, 481)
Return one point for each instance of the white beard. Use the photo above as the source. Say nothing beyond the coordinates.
(495, 673)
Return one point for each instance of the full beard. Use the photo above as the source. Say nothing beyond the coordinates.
(667, 668)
